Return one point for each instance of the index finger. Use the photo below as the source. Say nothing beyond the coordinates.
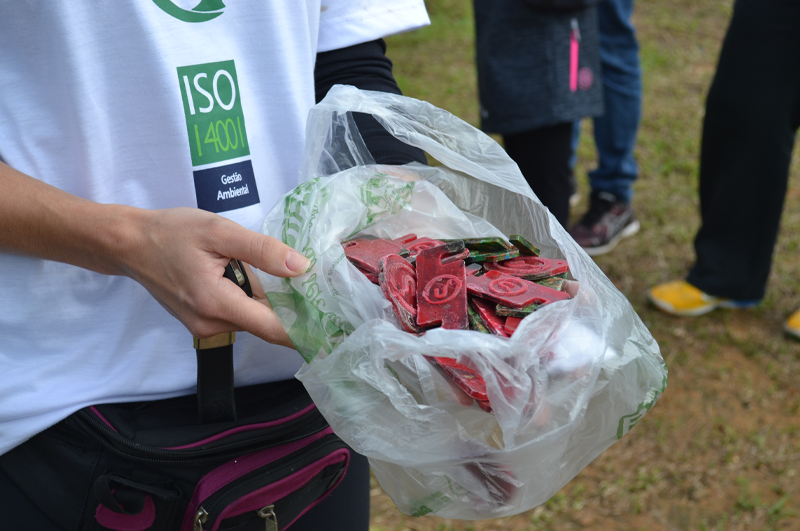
(264, 252)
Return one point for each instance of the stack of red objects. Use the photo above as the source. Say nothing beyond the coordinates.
(484, 284)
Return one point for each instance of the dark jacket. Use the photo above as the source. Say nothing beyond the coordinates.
(525, 76)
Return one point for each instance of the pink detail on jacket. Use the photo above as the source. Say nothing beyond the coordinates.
(574, 45)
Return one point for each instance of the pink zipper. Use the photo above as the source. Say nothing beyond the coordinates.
(574, 45)
(242, 465)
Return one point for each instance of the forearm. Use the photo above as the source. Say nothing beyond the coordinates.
(365, 66)
(42, 221)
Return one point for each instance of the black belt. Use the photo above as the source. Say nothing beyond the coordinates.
(215, 400)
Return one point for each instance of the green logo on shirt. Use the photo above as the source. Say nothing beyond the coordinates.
(205, 10)
(212, 104)
(213, 108)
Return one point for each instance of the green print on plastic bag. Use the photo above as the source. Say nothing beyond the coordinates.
(627, 422)
(382, 199)
(294, 223)
(316, 328)
(432, 503)
(313, 330)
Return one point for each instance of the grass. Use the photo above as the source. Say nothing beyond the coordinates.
(721, 450)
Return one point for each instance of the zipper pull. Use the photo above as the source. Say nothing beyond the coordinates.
(270, 520)
(200, 518)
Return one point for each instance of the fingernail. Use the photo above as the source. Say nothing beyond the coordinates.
(297, 262)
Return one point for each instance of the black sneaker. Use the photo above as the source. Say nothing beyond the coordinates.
(605, 224)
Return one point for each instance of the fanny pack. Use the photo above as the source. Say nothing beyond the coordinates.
(250, 458)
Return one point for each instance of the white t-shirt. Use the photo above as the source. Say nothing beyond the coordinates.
(154, 104)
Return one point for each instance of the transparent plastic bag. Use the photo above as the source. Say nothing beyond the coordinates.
(575, 376)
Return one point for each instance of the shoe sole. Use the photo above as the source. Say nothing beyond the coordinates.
(668, 308)
(628, 231)
(793, 332)
(726, 304)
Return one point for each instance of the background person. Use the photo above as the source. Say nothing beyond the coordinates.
(752, 115)
(610, 216)
(537, 64)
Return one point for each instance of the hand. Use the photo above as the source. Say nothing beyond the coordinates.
(178, 254)
(181, 260)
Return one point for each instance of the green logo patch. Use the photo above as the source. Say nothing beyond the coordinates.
(202, 12)
(213, 107)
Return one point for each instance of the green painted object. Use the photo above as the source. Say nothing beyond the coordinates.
(493, 249)
(556, 282)
(475, 321)
(480, 257)
(505, 311)
(525, 247)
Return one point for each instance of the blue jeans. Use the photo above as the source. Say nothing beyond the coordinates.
(615, 131)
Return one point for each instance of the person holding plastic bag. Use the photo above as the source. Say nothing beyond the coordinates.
(574, 377)
(116, 122)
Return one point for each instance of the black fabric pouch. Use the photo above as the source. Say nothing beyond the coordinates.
(151, 466)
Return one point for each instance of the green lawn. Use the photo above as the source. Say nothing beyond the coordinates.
(721, 449)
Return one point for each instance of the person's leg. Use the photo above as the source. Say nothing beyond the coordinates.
(610, 217)
(575, 195)
(347, 507)
(576, 139)
(615, 131)
(752, 113)
(543, 158)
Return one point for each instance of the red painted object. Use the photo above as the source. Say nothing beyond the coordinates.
(458, 256)
(485, 405)
(474, 269)
(441, 287)
(511, 324)
(403, 240)
(371, 276)
(499, 480)
(511, 291)
(486, 310)
(465, 378)
(530, 267)
(422, 244)
(367, 253)
(398, 281)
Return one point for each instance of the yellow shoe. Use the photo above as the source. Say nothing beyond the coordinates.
(792, 326)
(681, 298)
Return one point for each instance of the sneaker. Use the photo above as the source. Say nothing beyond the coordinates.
(792, 326)
(681, 298)
(605, 224)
